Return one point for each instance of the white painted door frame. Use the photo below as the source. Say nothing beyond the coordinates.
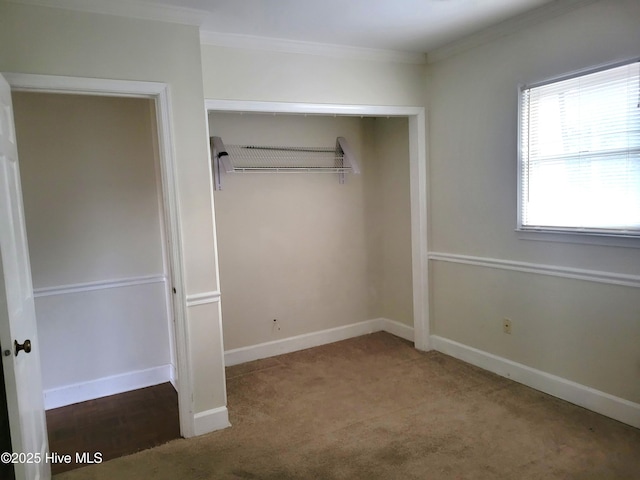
(417, 182)
(159, 92)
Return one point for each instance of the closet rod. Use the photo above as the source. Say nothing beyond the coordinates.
(282, 159)
(289, 149)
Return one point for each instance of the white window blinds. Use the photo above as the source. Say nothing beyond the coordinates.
(580, 153)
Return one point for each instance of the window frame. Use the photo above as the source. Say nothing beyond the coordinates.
(622, 238)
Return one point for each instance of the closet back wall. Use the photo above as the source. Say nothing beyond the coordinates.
(94, 225)
(305, 250)
(292, 246)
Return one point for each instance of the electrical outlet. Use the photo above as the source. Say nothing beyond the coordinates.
(276, 325)
(506, 325)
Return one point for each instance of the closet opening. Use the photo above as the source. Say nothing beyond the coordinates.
(306, 258)
(97, 234)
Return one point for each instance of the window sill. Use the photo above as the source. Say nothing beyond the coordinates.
(585, 238)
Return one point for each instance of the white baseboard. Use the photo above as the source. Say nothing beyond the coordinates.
(211, 420)
(173, 377)
(396, 328)
(103, 387)
(315, 339)
(299, 342)
(594, 400)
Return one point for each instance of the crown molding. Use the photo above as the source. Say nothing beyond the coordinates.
(126, 8)
(507, 27)
(188, 16)
(251, 42)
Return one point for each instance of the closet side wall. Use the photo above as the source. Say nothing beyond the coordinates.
(292, 246)
(93, 219)
(393, 218)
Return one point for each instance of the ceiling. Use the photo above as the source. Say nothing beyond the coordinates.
(408, 26)
(401, 25)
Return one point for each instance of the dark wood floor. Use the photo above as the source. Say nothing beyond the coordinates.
(114, 426)
(6, 469)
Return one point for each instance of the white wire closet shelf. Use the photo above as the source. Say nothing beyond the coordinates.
(282, 159)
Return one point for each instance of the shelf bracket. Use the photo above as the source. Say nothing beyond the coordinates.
(348, 158)
(220, 159)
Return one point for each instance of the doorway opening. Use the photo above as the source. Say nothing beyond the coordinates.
(93, 206)
(158, 95)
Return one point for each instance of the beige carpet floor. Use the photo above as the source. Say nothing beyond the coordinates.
(374, 408)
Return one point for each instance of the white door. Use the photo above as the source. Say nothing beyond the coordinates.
(17, 314)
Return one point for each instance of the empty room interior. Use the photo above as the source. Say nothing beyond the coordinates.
(272, 240)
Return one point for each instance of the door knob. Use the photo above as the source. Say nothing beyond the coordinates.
(26, 346)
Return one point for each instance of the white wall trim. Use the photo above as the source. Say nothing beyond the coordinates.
(508, 27)
(220, 353)
(300, 342)
(599, 276)
(315, 339)
(173, 377)
(211, 420)
(168, 176)
(244, 106)
(83, 86)
(252, 42)
(594, 400)
(161, 94)
(99, 285)
(396, 328)
(202, 298)
(103, 387)
(418, 182)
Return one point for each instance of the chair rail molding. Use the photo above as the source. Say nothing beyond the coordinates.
(611, 278)
(203, 298)
(98, 285)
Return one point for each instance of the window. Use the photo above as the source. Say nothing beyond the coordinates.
(580, 153)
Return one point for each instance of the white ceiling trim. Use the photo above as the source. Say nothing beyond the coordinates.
(126, 8)
(508, 27)
(188, 16)
(251, 42)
